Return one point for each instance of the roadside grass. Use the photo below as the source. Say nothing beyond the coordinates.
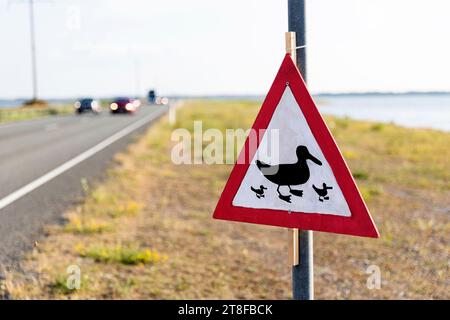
(29, 113)
(80, 225)
(60, 285)
(154, 208)
(129, 255)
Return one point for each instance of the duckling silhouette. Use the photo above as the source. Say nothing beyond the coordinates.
(291, 174)
(259, 192)
(323, 193)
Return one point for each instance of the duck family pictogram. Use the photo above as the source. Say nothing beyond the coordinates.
(290, 174)
(323, 193)
(259, 192)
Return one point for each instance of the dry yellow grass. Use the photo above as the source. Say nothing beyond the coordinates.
(166, 209)
(33, 112)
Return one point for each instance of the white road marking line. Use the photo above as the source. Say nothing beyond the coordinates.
(73, 162)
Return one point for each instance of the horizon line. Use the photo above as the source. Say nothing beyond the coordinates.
(231, 95)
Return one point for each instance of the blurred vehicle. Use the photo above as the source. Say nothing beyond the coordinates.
(124, 105)
(136, 102)
(152, 97)
(162, 100)
(87, 105)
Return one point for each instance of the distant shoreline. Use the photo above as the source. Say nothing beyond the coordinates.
(318, 95)
(15, 102)
(411, 93)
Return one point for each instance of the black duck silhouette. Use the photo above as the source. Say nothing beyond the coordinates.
(323, 193)
(291, 174)
(259, 192)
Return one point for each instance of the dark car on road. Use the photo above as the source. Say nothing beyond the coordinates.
(152, 97)
(124, 105)
(87, 105)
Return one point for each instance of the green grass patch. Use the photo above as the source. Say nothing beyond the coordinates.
(125, 255)
(369, 192)
(131, 208)
(377, 126)
(80, 225)
(61, 284)
(360, 175)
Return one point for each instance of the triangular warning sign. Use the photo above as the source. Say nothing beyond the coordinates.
(290, 172)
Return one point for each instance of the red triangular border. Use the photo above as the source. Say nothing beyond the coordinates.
(359, 224)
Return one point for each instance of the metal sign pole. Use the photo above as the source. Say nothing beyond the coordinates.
(303, 272)
(296, 20)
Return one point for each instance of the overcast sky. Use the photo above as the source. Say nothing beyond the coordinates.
(115, 47)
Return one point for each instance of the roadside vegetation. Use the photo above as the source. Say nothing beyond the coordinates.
(147, 232)
(34, 112)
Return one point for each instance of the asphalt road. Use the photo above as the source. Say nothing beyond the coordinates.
(42, 163)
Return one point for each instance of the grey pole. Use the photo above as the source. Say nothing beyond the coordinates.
(303, 273)
(33, 50)
(296, 19)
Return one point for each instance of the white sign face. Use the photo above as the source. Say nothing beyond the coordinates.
(300, 179)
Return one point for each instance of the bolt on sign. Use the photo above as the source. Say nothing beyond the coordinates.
(305, 184)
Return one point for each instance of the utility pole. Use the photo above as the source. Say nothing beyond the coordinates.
(303, 272)
(137, 78)
(33, 51)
